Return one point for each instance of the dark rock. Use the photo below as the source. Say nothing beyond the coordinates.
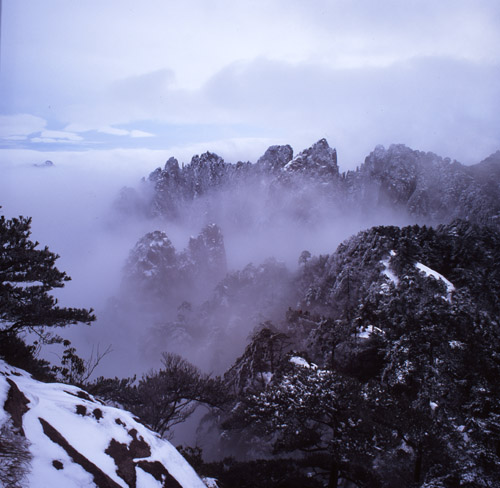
(84, 395)
(124, 456)
(138, 447)
(101, 479)
(81, 410)
(160, 473)
(46, 164)
(16, 405)
(172, 167)
(276, 158)
(124, 462)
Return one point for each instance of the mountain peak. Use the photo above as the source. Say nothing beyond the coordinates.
(172, 165)
(320, 157)
(207, 158)
(276, 157)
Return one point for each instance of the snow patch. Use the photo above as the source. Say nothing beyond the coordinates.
(24, 284)
(437, 276)
(267, 377)
(297, 360)
(366, 332)
(210, 482)
(387, 272)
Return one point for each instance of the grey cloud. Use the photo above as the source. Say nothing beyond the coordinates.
(149, 85)
(443, 105)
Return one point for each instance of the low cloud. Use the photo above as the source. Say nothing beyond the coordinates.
(109, 130)
(113, 131)
(59, 135)
(433, 104)
(140, 133)
(20, 126)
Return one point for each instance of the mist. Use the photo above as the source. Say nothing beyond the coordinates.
(109, 98)
(264, 229)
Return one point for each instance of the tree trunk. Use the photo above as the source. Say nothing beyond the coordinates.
(333, 482)
(418, 464)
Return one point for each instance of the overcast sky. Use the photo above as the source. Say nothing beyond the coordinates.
(237, 76)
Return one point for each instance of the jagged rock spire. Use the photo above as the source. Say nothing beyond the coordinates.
(320, 157)
(276, 157)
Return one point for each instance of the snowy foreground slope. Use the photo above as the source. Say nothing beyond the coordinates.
(76, 441)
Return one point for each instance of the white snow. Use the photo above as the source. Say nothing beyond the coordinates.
(267, 377)
(302, 362)
(4, 391)
(56, 403)
(23, 284)
(387, 272)
(366, 332)
(211, 482)
(430, 272)
(145, 480)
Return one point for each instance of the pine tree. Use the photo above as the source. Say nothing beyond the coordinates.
(27, 275)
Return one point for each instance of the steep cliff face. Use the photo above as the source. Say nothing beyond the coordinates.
(275, 158)
(429, 188)
(58, 435)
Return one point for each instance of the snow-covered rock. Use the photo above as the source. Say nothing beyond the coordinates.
(319, 159)
(276, 158)
(450, 288)
(67, 438)
(388, 272)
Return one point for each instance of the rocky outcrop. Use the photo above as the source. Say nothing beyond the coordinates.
(319, 161)
(428, 188)
(156, 269)
(45, 164)
(275, 158)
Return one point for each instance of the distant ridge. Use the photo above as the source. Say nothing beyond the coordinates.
(426, 187)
